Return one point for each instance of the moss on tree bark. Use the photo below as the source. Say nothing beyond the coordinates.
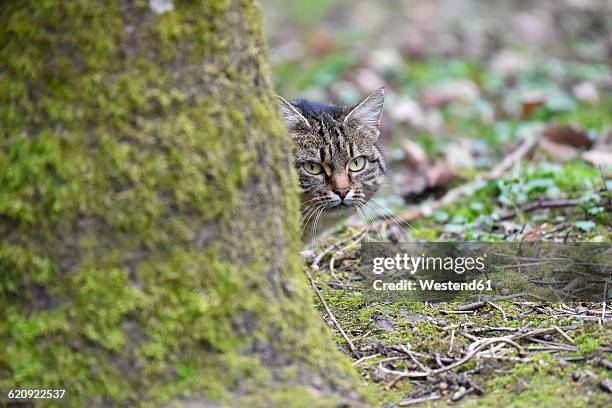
(148, 212)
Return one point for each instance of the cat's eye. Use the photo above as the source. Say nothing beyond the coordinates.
(313, 168)
(357, 163)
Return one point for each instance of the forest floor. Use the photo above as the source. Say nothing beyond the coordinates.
(497, 127)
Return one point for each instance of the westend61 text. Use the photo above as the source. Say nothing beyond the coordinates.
(432, 285)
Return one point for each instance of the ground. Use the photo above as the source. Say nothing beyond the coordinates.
(467, 83)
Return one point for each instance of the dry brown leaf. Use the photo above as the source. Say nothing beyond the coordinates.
(321, 42)
(418, 182)
(412, 183)
(414, 155)
(569, 135)
(535, 233)
(530, 101)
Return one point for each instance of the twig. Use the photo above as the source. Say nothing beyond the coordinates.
(539, 332)
(484, 343)
(457, 311)
(413, 401)
(605, 300)
(331, 315)
(498, 308)
(460, 394)
(416, 361)
(341, 252)
(539, 205)
(525, 149)
(493, 329)
(319, 258)
(470, 307)
(563, 334)
(362, 359)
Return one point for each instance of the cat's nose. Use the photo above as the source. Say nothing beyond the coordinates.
(340, 184)
(341, 191)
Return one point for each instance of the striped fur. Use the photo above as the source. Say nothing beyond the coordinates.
(332, 136)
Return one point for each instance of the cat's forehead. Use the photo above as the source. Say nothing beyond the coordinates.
(330, 144)
(328, 138)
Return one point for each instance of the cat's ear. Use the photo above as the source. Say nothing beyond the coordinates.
(368, 113)
(291, 116)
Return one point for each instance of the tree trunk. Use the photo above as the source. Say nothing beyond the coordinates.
(148, 211)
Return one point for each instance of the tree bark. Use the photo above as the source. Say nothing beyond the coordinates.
(148, 212)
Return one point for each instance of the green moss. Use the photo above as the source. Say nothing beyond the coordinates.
(427, 328)
(135, 150)
(543, 382)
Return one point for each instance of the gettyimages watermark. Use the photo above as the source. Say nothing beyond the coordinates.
(447, 271)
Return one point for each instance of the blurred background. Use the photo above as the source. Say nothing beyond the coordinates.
(466, 80)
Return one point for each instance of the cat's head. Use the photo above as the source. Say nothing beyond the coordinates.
(336, 156)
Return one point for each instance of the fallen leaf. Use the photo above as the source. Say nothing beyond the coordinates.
(535, 233)
(444, 93)
(321, 42)
(531, 100)
(412, 183)
(598, 158)
(570, 135)
(417, 183)
(407, 110)
(414, 155)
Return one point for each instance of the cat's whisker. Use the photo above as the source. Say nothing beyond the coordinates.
(398, 236)
(372, 219)
(311, 204)
(373, 216)
(364, 222)
(390, 212)
(390, 216)
(375, 224)
(309, 201)
(306, 212)
(307, 218)
(314, 225)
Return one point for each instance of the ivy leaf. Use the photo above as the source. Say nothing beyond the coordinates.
(586, 226)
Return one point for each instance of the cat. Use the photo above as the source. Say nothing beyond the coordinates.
(339, 163)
